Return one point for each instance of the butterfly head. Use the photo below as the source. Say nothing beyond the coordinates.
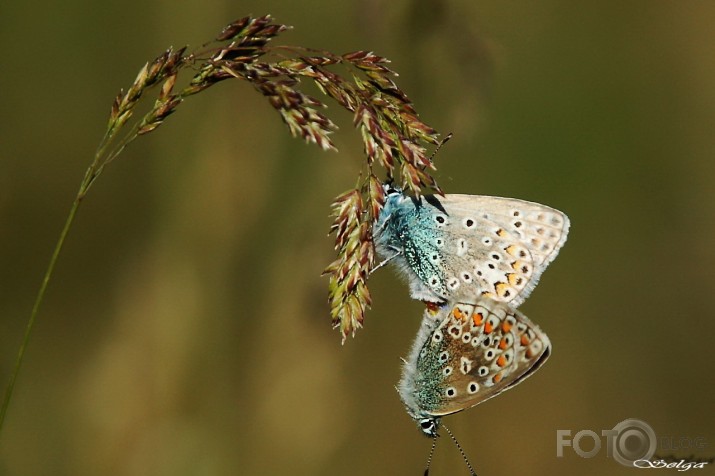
(391, 189)
(429, 426)
(393, 199)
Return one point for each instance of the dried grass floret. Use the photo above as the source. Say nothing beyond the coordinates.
(393, 136)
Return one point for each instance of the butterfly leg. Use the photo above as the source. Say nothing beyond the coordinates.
(386, 260)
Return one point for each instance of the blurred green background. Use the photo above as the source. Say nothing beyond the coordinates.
(186, 330)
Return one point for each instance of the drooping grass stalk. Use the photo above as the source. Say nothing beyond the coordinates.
(92, 173)
(38, 301)
(35, 308)
(394, 138)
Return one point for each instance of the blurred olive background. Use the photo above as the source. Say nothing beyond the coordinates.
(186, 329)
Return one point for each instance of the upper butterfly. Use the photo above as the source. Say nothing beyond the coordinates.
(460, 246)
(465, 354)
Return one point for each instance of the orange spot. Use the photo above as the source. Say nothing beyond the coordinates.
(506, 326)
(497, 378)
(529, 353)
(524, 340)
(502, 344)
(478, 318)
(459, 314)
(511, 249)
(501, 361)
(432, 307)
(501, 288)
(488, 328)
(500, 232)
(512, 278)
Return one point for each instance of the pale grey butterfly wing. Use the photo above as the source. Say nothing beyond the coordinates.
(499, 246)
(465, 354)
(459, 246)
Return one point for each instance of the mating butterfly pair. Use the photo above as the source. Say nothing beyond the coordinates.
(475, 259)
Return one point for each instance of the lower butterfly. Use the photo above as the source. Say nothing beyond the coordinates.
(465, 354)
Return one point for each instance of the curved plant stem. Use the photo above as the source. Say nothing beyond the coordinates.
(393, 137)
(41, 295)
(101, 158)
(93, 172)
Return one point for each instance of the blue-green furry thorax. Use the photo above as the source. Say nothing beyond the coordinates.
(405, 233)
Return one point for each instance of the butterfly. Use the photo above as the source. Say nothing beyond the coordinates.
(460, 246)
(465, 354)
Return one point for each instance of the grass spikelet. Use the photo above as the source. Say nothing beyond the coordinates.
(394, 138)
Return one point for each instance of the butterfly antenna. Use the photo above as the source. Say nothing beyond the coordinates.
(431, 452)
(439, 146)
(461, 451)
